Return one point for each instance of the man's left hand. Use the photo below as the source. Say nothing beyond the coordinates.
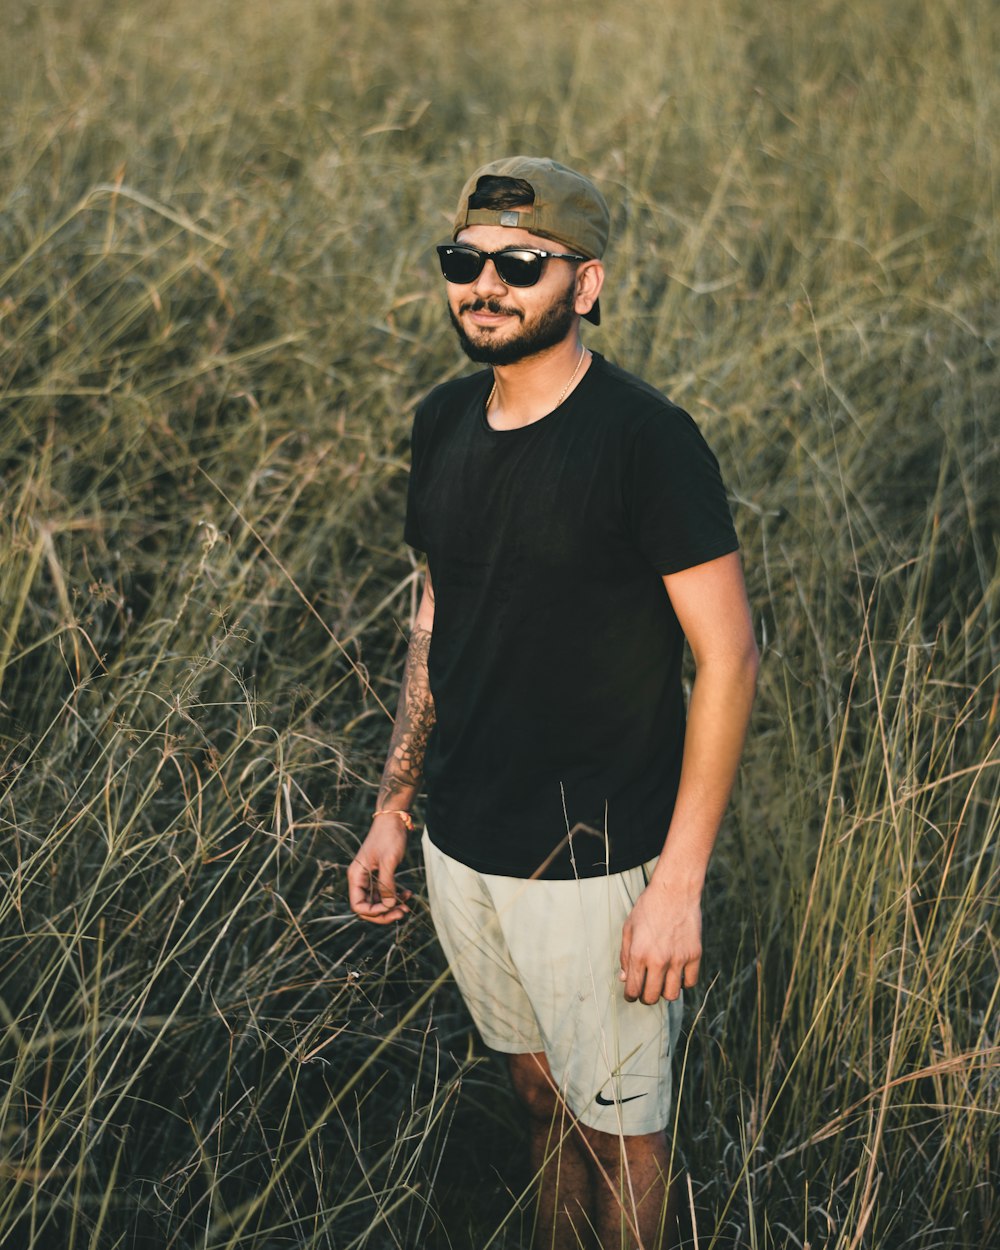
(661, 945)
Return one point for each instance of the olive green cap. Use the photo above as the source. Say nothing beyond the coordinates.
(567, 208)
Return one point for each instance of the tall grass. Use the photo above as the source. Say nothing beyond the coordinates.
(217, 312)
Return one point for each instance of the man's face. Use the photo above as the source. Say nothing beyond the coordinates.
(499, 324)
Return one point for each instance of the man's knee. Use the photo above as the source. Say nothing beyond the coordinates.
(534, 1085)
(611, 1148)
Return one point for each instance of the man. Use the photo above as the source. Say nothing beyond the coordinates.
(576, 531)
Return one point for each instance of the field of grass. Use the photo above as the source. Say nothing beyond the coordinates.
(218, 308)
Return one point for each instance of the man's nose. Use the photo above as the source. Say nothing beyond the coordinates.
(489, 281)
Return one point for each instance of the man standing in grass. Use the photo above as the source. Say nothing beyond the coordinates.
(576, 532)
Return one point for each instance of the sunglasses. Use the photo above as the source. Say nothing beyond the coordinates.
(515, 266)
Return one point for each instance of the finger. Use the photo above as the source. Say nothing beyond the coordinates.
(377, 913)
(653, 988)
(359, 879)
(395, 905)
(691, 971)
(370, 898)
(625, 953)
(672, 985)
(635, 982)
(378, 910)
(384, 886)
(634, 986)
(390, 902)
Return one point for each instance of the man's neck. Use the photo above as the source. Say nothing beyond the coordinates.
(530, 389)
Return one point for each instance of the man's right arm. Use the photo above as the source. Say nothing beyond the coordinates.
(371, 877)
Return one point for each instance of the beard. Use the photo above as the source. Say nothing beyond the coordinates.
(548, 328)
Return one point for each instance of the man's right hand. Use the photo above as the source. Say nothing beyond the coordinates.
(371, 877)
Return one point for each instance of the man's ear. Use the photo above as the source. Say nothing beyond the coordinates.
(589, 280)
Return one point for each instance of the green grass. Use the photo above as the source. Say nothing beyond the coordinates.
(218, 309)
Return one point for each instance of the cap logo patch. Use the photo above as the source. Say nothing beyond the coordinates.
(509, 218)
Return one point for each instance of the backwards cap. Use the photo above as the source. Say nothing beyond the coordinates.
(567, 207)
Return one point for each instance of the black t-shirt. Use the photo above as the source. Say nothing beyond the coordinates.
(555, 658)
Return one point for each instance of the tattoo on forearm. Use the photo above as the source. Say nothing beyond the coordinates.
(414, 722)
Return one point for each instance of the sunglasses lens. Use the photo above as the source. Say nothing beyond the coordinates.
(518, 268)
(460, 264)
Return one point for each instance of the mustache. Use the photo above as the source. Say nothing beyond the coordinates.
(492, 306)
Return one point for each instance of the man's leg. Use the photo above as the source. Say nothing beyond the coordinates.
(564, 1219)
(636, 1202)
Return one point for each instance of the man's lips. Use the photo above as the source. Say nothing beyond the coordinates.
(487, 318)
(485, 314)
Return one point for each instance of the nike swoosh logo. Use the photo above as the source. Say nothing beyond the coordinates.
(610, 1102)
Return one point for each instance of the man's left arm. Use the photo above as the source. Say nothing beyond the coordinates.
(661, 939)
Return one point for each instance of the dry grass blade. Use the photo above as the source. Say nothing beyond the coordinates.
(218, 310)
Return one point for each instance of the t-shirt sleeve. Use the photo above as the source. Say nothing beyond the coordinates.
(677, 505)
(412, 532)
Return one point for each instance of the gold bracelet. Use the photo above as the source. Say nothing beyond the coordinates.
(405, 817)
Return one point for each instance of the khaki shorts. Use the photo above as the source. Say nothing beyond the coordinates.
(537, 963)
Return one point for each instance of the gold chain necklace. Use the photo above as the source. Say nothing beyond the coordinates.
(565, 389)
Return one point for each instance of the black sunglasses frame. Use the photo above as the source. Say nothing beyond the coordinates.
(445, 250)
